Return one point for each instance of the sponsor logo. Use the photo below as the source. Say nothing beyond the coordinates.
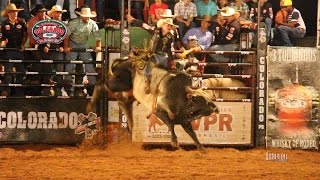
(89, 125)
(49, 31)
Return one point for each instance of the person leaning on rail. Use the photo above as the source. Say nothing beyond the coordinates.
(14, 35)
(227, 38)
(39, 13)
(79, 31)
(56, 14)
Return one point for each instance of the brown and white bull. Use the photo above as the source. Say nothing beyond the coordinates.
(171, 98)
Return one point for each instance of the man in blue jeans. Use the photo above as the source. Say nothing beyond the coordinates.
(293, 28)
(79, 31)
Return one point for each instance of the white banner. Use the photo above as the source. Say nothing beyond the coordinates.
(231, 126)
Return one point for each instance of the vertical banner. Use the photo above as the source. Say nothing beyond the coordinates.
(232, 126)
(293, 98)
(125, 33)
(51, 121)
(260, 120)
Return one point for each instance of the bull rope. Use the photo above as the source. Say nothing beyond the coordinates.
(155, 96)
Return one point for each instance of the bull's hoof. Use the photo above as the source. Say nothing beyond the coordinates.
(175, 145)
(202, 150)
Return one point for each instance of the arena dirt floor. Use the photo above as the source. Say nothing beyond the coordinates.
(135, 161)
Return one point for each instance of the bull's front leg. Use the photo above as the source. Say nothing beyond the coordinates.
(164, 117)
(187, 126)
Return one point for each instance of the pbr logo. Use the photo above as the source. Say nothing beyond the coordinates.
(89, 125)
(49, 31)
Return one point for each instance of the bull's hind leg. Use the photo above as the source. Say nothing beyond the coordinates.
(188, 128)
(98, 89)
(164, 117)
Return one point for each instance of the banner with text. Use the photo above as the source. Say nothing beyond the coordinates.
(51, 121)
(232, 126)
(293, 98)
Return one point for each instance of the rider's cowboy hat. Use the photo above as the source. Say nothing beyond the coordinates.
(167, 13)
(164, 21)
(206, 18)
(227, 11)
(86, 12)
(10, 7)
(56, 8)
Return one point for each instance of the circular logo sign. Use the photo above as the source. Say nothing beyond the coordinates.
(49, 31)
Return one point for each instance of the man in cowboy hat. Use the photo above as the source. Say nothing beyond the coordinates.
(160, 47)
(56, 14)
(227, 38)
(79, 31)
(202, 33)
(39, 13)
(14, 35)
(293, 28)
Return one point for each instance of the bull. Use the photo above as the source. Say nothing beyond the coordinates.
(171, 99)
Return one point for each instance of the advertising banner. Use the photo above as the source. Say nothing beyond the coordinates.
(293, 98)
(233, 125)
(51, 121)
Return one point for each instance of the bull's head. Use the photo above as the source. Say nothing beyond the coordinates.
(121, 76)
(199, 104)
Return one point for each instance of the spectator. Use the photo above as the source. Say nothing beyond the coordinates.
(156, 9)
(266, 14)
(294, 27)
(206, 7)
(70, 5)
(222, 3)
(14, 35)
(171, 4)
(56, 14)
(79, 31)
(227, 39)
(3, 5)
(281, 17)
(241, 7)
(39, 14)
(204, 36)
(217, 22)
(26, 7)
(185, 11)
